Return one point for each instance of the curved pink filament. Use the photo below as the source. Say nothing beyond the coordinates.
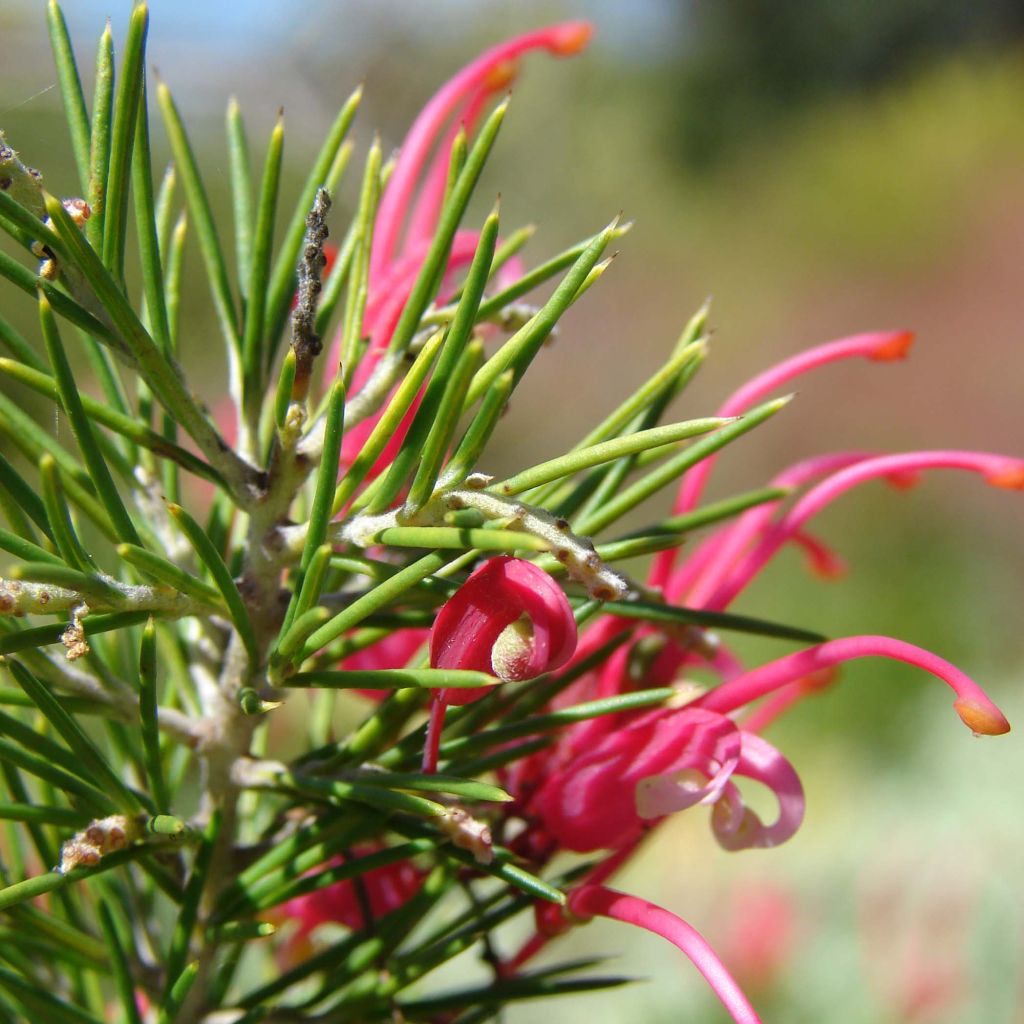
(561, 40)
(998, 470)
(597, 900)
(727, 545)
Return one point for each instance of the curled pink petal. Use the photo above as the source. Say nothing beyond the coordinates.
(735, 825)
(660, 762)
(973, 705)
(599, 901)
(472, 629)
(998, 470)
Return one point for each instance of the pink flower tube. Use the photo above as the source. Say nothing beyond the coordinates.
(509, 618)
(973, 706)
(599, 901)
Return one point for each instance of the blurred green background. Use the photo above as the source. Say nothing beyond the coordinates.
(820, 168)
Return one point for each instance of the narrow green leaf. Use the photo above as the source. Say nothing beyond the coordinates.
(168, 573)
(222, 579)
(27, 281)
(53, 881)
(320, 513)
(40, 636)
(122, 968)
(88, 584)
(202, 215)
(44, 766)
(71, 400)
(401, 401)
(90, 758)
(62, 817)
(381, 596)
(714, 512)
(441, 434)
(259, 274)
(283, 395)
(451, 214)
(335, 281)
(70, 89)
(453, 537)
(19, 346)
(497, 993)
(298, 631)
(282, 278)
(58, 517)
(127, 426)
(372, 796)
(469, 789)
(478, 433)
(188, 913)
(358, 282)
(25, 549)
(313, 579)
(517, 353)
(438, 414)
(148, 231)
(148, 719)
(650, 611)
(122, 141)
(452, 750)
(607, 451)
(391, 679)
(172, 1002)
(99, 141)
(240, 171)
(24, 496)
(42, 1004)
(670, 471)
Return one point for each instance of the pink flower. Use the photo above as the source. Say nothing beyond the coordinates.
(509, 618)
(384, 889)
(661, 762)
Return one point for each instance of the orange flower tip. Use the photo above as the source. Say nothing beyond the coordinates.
(570, 38)
(820, 680)
(502, 75)
(982, 719)
(895, 346)
(1010, 477)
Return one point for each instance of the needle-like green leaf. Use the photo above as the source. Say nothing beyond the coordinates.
(122, 141)
(222, 579)
(70, 89)
(259, 272)
(71, 400)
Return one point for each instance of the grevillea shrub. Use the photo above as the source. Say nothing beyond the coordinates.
(182, 579)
